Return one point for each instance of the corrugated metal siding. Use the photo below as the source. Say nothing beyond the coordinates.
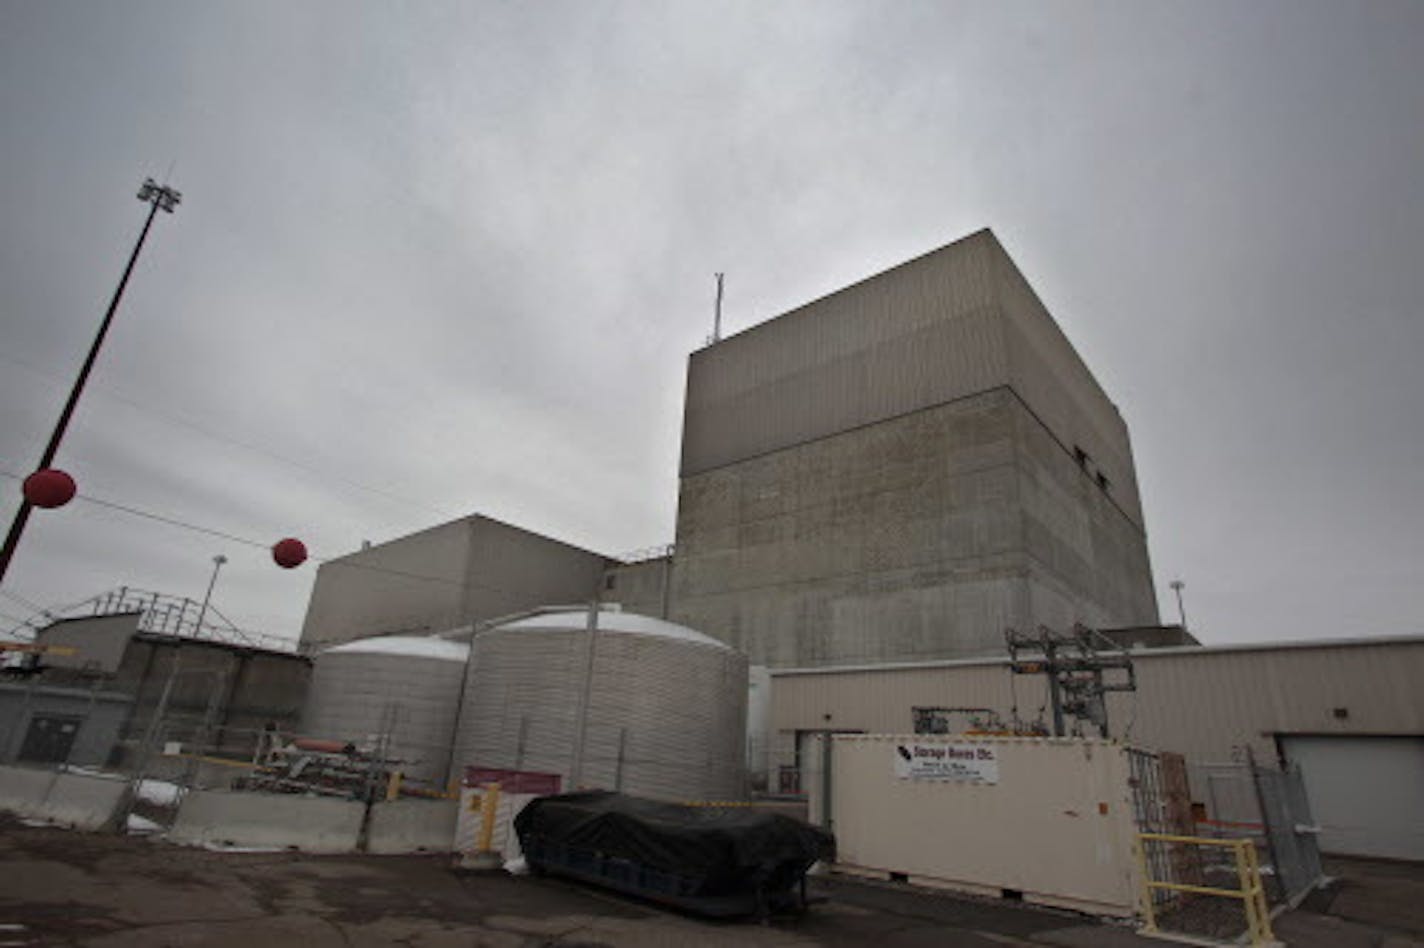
(1201, 704)
(677, 709)
(356, 696)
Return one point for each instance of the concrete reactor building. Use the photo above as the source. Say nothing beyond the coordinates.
(902, 470)
(897, 472)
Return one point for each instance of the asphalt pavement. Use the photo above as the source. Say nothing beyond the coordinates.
(64, 888)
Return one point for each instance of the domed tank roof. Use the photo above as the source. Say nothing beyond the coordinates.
(610, 620)
(406, 646)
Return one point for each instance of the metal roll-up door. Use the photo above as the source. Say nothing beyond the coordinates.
(1366, 793)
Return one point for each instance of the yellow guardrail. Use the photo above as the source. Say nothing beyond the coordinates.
(1252, 892)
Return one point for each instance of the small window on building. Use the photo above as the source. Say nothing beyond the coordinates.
(610, 581)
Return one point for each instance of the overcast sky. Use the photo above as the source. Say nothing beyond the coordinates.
(436, 259)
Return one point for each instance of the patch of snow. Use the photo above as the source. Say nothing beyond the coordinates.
(159, 792)
(93, 772)
(517, 867)
(27, 821)
(408, 646)
(221, 848)
(628, 623)
(138, 824)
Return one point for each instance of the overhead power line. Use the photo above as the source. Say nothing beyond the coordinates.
(27, 603)
(261, 545)
(175, 419)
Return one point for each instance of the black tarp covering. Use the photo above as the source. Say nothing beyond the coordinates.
(724, 848)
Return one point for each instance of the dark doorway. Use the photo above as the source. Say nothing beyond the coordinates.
(50, 738)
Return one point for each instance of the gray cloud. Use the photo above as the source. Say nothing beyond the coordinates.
(459, 253)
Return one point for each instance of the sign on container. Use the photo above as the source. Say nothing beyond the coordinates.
(973, 763)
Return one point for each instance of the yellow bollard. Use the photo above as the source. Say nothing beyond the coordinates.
(485, 802)
(489, 806)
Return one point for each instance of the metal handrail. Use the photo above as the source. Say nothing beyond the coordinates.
(1252, 892)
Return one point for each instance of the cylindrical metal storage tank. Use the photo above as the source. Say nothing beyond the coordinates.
(666, 705)
(403, 688)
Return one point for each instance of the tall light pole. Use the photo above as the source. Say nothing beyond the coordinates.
(155, 723)
(1177, 587)
(160, 197)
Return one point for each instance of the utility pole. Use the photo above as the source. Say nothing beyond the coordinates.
(219, 686)
(155, 723)
(717, 312)
(1076, 670)
(161, 197)
(576, 764)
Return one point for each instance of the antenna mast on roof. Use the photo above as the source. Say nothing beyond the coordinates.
(717, 313)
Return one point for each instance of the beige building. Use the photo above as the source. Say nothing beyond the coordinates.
(1350, 713)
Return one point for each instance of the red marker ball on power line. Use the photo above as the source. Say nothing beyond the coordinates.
(49, 488)
(289, 553)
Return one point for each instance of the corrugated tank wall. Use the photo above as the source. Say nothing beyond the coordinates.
(406, 688)
(666, 711)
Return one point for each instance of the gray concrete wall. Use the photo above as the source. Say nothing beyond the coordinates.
(1053, 380)
(412, 584)
(644, 587)
(103, 714)
(892, 473)
(458, 573)
(82, 801)
(99, 642)
(257, 687)
(511, 570)
(1088, 559)
(268, 820)
(923, 333)
(897, 540)
(412, 826)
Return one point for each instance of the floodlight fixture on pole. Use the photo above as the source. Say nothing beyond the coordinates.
(159, 197)
(1177, 587)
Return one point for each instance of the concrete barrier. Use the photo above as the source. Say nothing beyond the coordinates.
(268, 821)
(86, 802)
(23, 791)
(412, 826)
(81, 800)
